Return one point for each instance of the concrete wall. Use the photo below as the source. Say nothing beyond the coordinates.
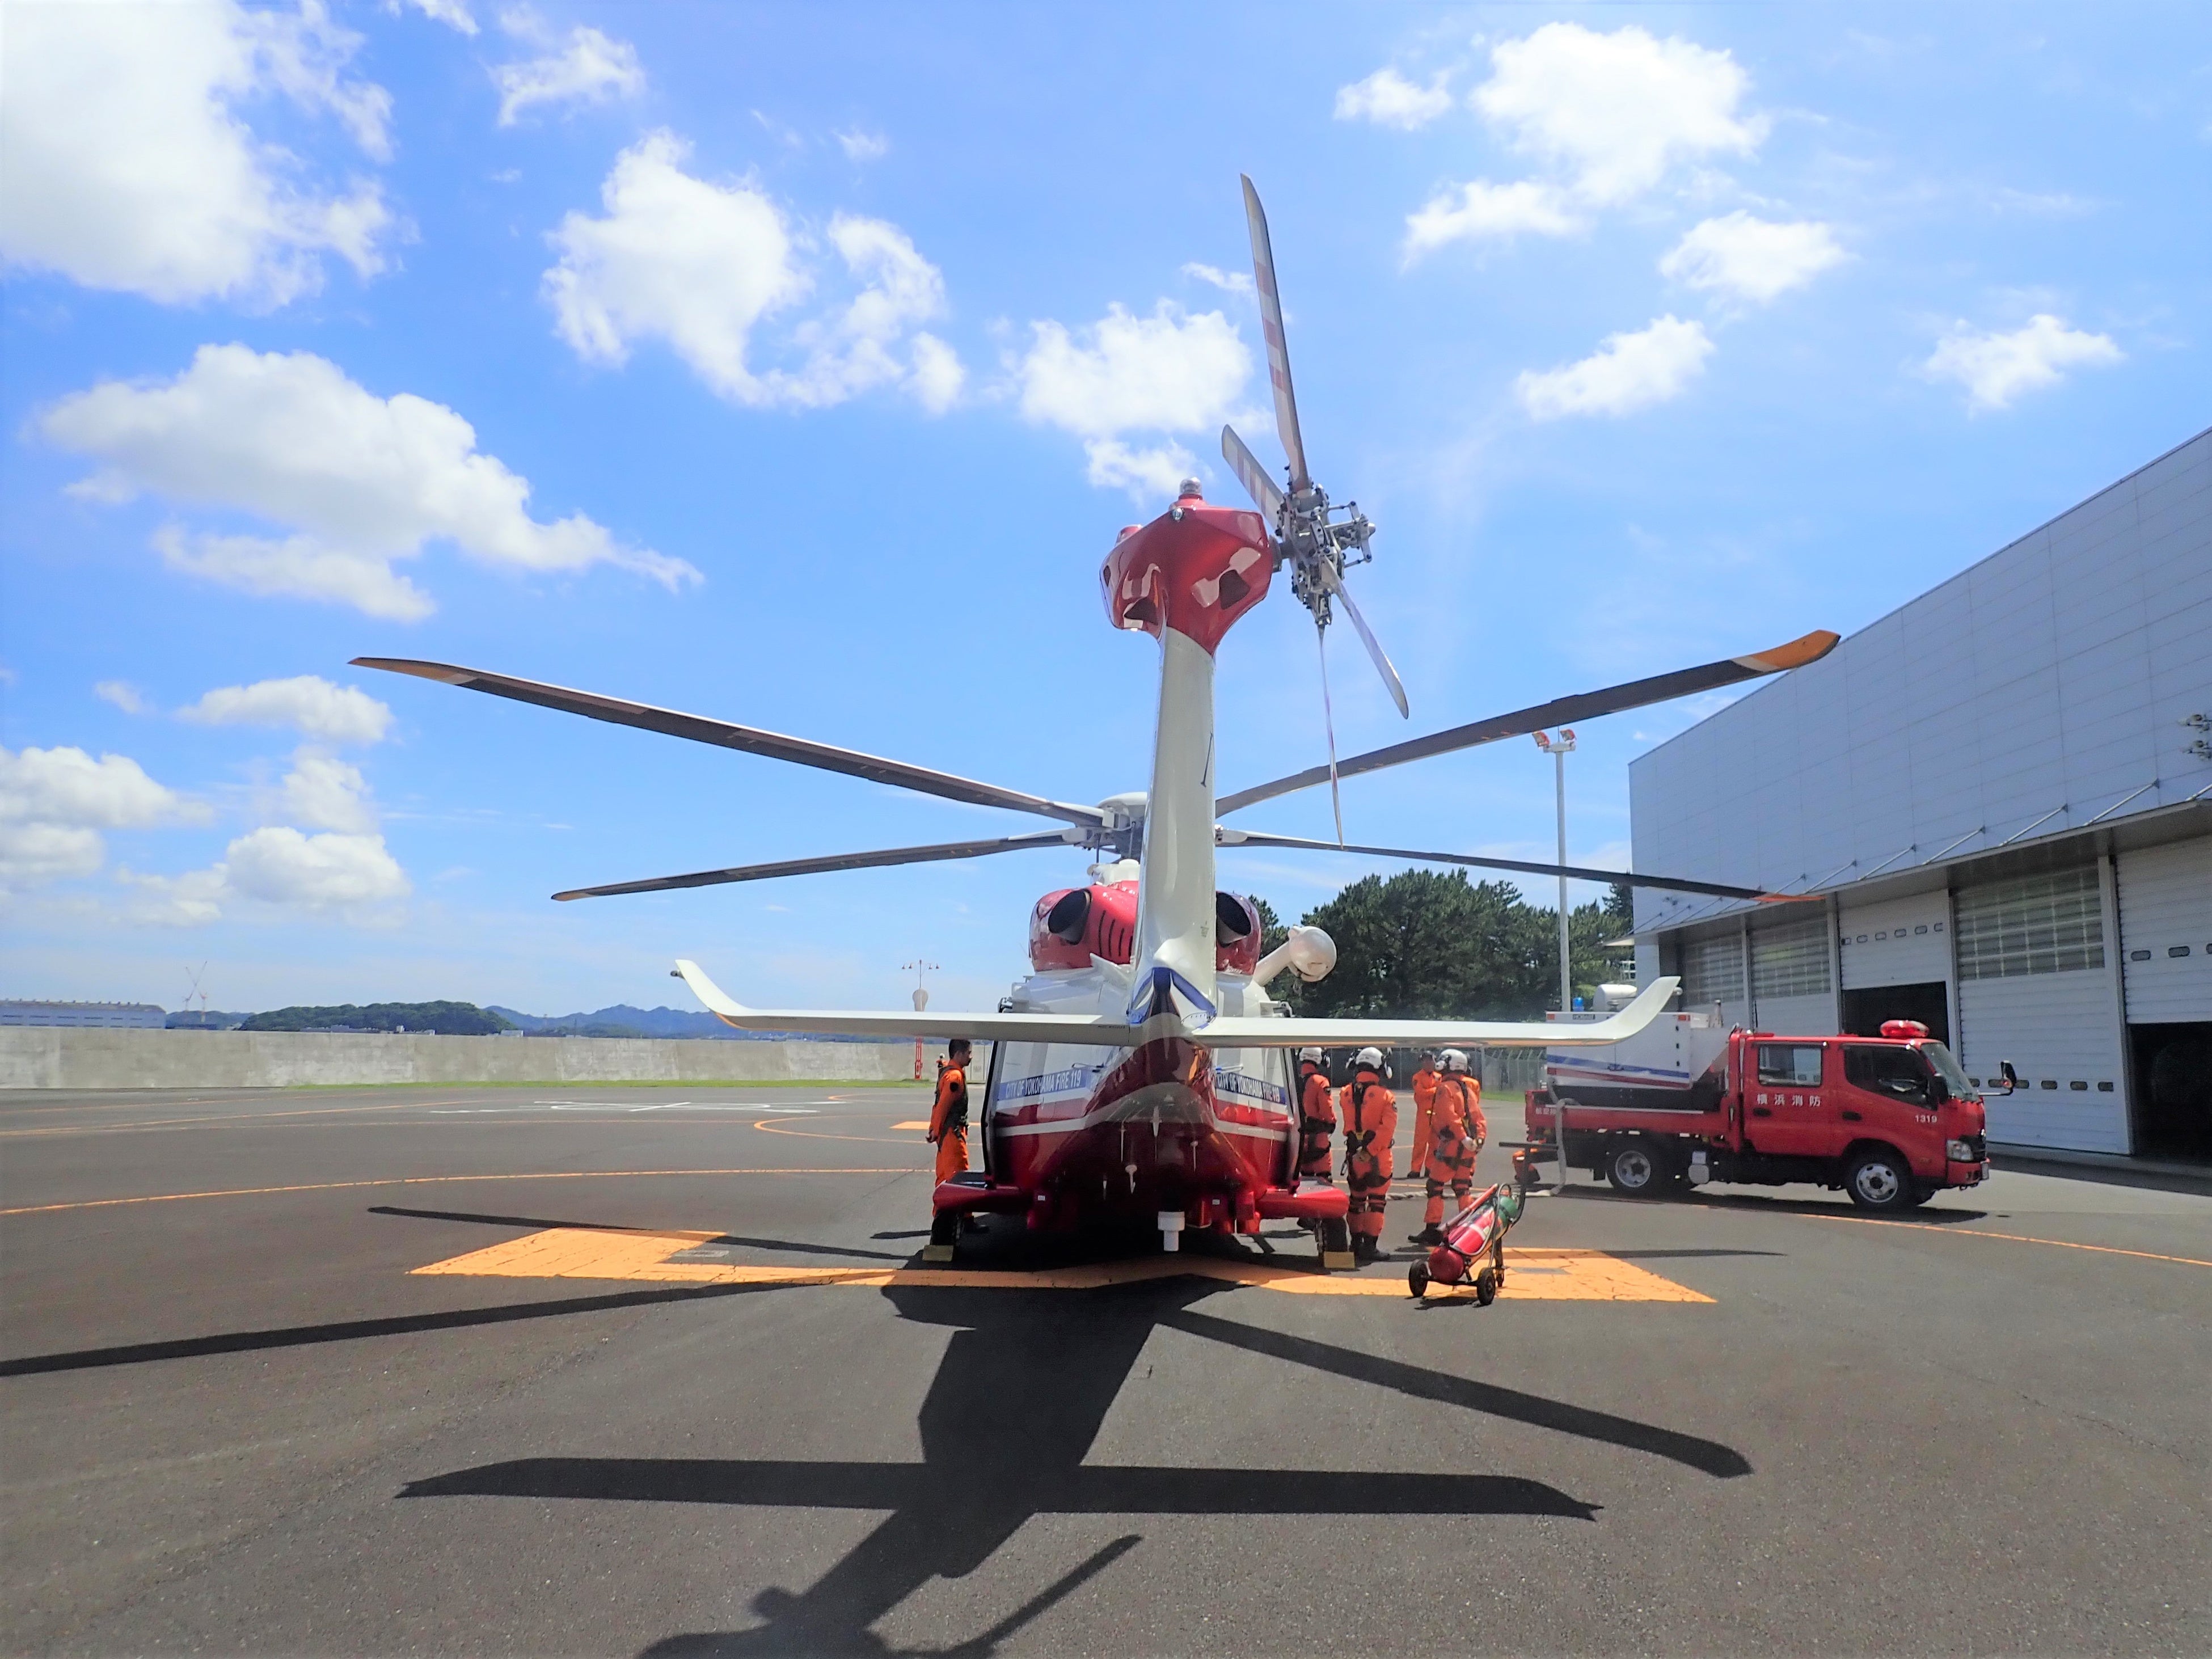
(65, 1057)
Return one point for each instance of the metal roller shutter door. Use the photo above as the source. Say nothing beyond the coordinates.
(1791, 989)
(2165, 931)
(1713, 972)
(2034, 989)
(1898, 942)
(2058, 1031)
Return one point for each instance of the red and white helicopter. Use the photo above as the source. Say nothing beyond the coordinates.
(1141, 1073)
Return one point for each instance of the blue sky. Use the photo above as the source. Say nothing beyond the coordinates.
(797, 365)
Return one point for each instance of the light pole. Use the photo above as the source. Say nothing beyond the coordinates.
(921, 970)
(1558, 751)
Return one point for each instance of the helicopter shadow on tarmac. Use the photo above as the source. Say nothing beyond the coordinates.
(1056, 1363)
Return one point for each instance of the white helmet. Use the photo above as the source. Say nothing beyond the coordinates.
(1313, 1055)
(1371, 1058)
(1454, 1059)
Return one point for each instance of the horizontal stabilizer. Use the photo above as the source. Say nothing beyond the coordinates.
(1358, 1031)
(1114, 1033)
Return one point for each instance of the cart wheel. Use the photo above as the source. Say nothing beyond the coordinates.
(1417, 1279)
(1485, 1288)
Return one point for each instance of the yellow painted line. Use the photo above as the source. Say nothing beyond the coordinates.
(768, 1128)
(922, 1123)
(433, 1181)
(1533, 1275)
(2015, 1238)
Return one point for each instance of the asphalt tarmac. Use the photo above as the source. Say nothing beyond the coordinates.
(673, 1388)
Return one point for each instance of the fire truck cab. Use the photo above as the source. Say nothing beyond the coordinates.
(1892, 1120)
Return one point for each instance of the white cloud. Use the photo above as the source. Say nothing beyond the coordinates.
(586, 68)
(699, 265)
(306, 703)
(863, 147)
(1996, 369)
(1168, 373)
(124, 695)
(36, 852)
(1149, 473)
(124, 162)
(1614, 112)
(1627, 372)
(325, 792)
(1388, 99)
(54, 802)
(939, 374)
(1474, 211)
(360, 480)
(1748, 259)
(191, 900)
(452, 12)
(280, 867)
(283, 866)
(1229, 282)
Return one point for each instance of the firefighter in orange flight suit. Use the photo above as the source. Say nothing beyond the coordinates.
(1369, 1113)
(1456, 1132)
(948, 1118)
(1316, 1116)
(1424, 1097)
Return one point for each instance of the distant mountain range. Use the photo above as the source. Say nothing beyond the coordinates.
(622, 1020)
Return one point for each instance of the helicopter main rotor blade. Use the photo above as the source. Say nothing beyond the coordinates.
(1375, 652)
(1588, 705)
(944, 850)
(1279, 351)
(698, 728)
(1573, 871)
(1266, 494)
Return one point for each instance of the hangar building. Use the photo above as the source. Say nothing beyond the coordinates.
(2002, 794)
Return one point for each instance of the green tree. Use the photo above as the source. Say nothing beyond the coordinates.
(1424, 945)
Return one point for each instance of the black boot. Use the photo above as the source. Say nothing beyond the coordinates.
(1431, 1235)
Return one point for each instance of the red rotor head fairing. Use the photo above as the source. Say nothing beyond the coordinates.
(1195, 568)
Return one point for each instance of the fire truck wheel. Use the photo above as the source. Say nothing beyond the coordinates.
(1880, 1180)
(1417, 1281)
(1634, 1170)
(1485, 1288)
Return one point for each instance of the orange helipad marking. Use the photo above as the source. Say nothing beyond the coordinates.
(1533, 1275)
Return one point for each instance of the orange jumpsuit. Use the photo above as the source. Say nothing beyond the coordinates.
(948, 1121)
(1425, 1095)
(1456, 1132)
(1369, 1113)
(1316, 1122)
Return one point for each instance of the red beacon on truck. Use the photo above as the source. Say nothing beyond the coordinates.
(1891, 1120)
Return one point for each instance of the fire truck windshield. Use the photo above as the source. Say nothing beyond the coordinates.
(1947, 1068)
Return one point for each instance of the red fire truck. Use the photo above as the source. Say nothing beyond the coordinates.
(1891, 1120)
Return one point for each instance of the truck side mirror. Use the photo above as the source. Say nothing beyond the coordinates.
(2011, 1077)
